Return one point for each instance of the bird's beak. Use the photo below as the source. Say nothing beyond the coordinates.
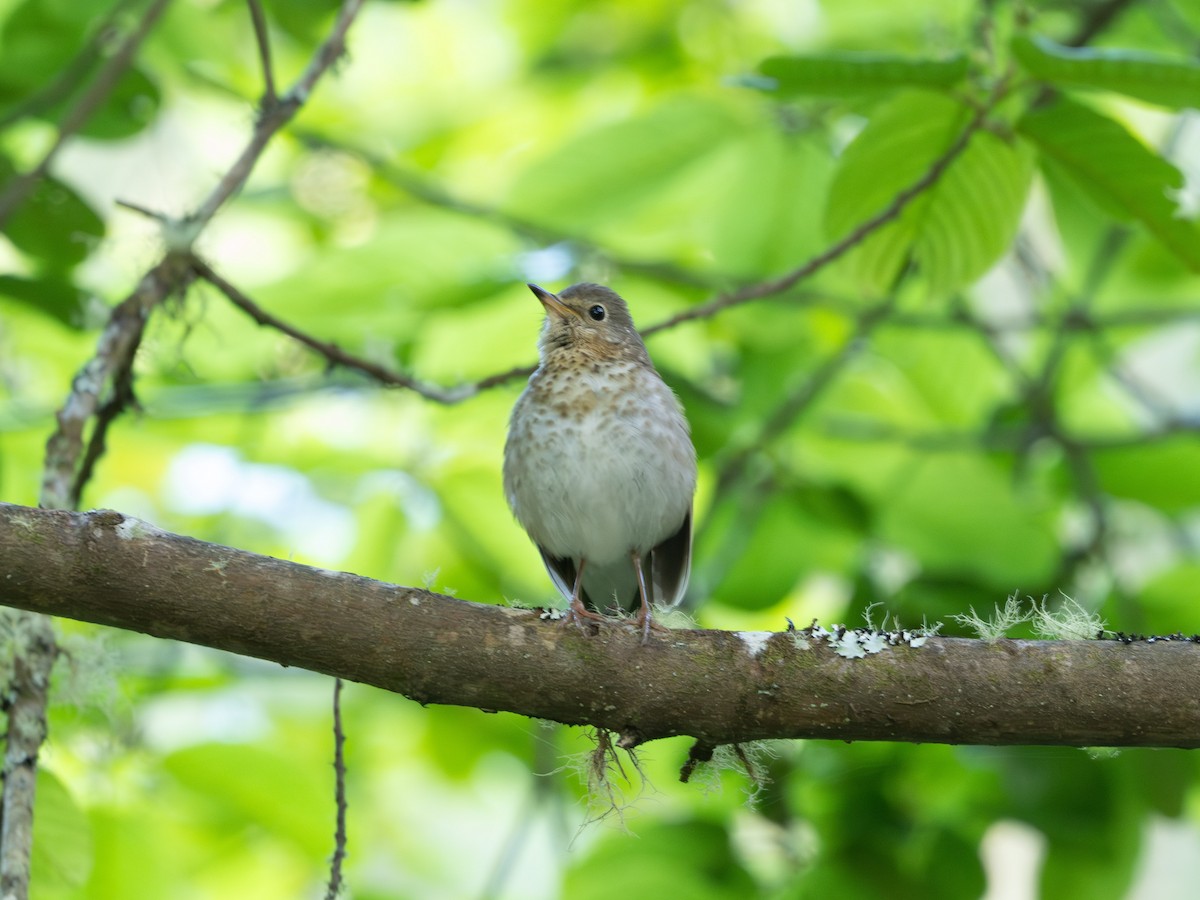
(551, 302)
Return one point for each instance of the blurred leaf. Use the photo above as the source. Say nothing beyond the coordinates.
(1163, 80)
(131, 106)
(846, 74)
(769, 217)
(756, 554)
(957, 513)
(40, 37)
(1117, 171)
(1161, 475)
(607, 171)
(957, 229)
(690, 859)
(54, 223)
(1168, 601)
(51, 296)
(305, 20)
(252, 785)
(62, 837)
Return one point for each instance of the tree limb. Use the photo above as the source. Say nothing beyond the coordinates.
(720, 687)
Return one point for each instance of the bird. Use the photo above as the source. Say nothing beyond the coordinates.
(599, 466)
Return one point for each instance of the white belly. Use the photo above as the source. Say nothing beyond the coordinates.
(597, 484)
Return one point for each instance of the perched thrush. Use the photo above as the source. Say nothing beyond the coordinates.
(599, 467)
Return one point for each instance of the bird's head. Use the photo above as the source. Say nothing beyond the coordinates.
(589, 319)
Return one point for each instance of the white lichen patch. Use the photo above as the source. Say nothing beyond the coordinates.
(856, 643)
(131, 529)
(755, 641)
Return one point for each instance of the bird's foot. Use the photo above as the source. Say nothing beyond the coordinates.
(645, 622)
(579, 614)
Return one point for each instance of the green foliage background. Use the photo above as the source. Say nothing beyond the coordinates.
(995, 393)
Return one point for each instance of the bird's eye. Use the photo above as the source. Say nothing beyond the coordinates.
(597, 312)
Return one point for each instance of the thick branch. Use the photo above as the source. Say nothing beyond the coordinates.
(721, 687)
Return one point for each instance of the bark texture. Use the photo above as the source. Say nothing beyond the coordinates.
(720, 687)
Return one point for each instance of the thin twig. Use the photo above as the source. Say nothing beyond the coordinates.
(278, 115)
(20, 187)
(339, 770)
(261, 38)
(335, 354)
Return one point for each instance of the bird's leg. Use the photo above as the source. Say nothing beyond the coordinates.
(577, 612)
(644, 619)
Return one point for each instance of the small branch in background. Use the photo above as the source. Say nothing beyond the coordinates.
(339, 769)
(275, 117)
(336, 355)
(120, 399)
(111, 365)
(19, 188)
(26, 697)
(270, 98)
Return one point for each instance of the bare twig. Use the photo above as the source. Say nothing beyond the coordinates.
(26, 696)
(262, 39)
(335, 354)
(275, 117)
(18, 189)
(339, 770)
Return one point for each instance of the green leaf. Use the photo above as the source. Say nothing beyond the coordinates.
(1161, 475)
(1156, 79)
(62, 837)
(958, 515)
(54, 223)
(957, 229)
(52, 296)
(844, 74)
(608, 171)
(1116, 170)
(130, 107)
(682, 859)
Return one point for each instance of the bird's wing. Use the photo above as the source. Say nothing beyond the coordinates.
(562, 571)
(671, 564)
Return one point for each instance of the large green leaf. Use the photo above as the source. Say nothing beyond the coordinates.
(842, 74)
(607, 171)
(54, 223)
(1156, 79)
(1116, 170)
(957, 229)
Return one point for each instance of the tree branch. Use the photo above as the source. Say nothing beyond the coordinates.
(25, 701)
(720, 687)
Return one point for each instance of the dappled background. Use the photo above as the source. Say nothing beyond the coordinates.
(994, 395)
